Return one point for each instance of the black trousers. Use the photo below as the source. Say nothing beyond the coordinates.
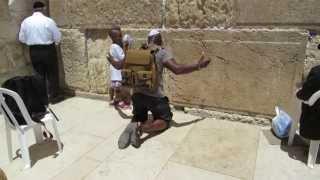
(45, 63)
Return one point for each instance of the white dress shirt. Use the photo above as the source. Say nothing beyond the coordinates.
(117, 53)
(39, 30)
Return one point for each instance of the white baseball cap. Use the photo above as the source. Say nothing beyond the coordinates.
(153, 32)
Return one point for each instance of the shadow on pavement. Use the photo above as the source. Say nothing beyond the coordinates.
(172, 124)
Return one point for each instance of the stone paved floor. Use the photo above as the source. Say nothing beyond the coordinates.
(193, 148)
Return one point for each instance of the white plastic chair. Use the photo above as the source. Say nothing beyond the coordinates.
(314, 144)
(21, 130)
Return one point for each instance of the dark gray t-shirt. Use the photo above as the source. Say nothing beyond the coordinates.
(162, 56)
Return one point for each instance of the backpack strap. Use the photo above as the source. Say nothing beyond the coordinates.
(155, 66)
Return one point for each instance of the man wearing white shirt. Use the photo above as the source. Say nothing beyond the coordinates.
(42, 35)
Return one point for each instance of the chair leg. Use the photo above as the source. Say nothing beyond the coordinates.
(25, 150)
(296, 105)
(9, 141)
(38, 134)
(313, 151)
(57, 135)
(292, 132)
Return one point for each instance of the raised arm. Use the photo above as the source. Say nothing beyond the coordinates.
(177, 68)
(116, 64)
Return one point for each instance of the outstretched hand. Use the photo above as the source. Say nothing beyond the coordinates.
(203, 61)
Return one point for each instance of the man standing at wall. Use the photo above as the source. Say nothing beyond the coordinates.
(42, 35)
(145, 100)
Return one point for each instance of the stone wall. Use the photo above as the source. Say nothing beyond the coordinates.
(312, 52)
(275, 13)
(258, 51)
(252, 70)
(13, 55)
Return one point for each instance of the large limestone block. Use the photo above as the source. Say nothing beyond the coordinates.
(275, 12)
(103, 13)
(4, 10)
(74, 59)
(5, 22)
(19, 10)
(312, 53)
(249, 72)
(99, 75)
(11, 56)
(199, 14)
(58, 11)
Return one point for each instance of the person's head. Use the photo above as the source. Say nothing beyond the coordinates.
(39, 6)
(154, 38)
(116, 35)
(127, 41)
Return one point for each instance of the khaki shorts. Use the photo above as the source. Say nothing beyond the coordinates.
(159, 107)
(115, 84)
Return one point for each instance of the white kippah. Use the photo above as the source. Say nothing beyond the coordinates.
(153, 32)
(128, 39)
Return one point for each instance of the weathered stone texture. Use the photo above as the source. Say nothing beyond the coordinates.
(104, 13)
(98, 46)
(13, 57)
(20, 9)
(139, 36)
(74, 59)
(4, 9)
(313, 54)
(199, 13)
(275, 12)
(248, 72)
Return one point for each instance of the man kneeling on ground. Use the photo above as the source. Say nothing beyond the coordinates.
(145, 100)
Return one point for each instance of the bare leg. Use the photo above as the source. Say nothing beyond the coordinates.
(117, 94)
(111, 93)
(125, 93)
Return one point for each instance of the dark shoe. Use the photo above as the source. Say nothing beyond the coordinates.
(124, 139)
(135, 137)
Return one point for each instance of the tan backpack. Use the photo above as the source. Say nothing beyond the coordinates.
(140, 69)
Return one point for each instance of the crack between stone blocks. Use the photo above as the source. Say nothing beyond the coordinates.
(87, 58)
(163, 14)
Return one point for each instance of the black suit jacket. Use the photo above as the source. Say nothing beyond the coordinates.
(310, 116)
(32, 90)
